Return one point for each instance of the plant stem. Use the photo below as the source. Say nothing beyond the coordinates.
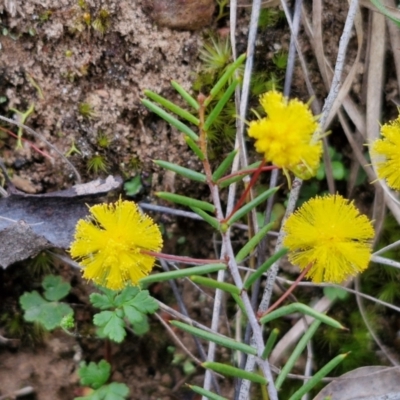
(256, 327)
(182, 259)
(288, 292)
(246, 192)
(247, 172)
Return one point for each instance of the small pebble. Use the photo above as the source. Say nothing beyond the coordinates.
(24, 184)
(182, 14)
(19, 163)
(166, 380)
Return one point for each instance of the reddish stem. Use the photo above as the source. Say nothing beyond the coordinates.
(203, 137)
(107, 351)
(183, 259)
(43, 153)
(246, 192)
(288, 292)
(247, 172)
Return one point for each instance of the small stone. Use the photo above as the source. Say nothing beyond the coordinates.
(59, 347)
(182, 14)
(24, 184)
(19, 163)
(166, 380)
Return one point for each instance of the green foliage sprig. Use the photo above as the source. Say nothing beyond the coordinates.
(131, 305)
(47, 310)
(95, 376)
(205, 114)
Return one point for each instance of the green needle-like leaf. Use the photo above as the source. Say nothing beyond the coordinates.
(171, 119)
(224, 78)
(253, 242)
(220, 105)
(318, 376)
(270, 343)
(186, 172)
(302, 308)
(252, 204)
(207, 217)
(209, 395)
(296, 353)
(212, 283)
(186, 201)
(224, 182)
(220, 171)
(385, 11)
(181, 273)
(233, 179)
(240, 303)
(172, 107)
(236, 372)
(215, 338)
(196, 149)
(264, 268)
(189, 99)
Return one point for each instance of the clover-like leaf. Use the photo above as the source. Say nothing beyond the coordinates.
(94, 374)
(37, 309)
(133, 186)
(131, 303)
(127, 295)
(52, 314)
(31, 303)
(142, 327)
(113, 391)
(144, 303)
(132, 314)
(55, 288)
(111, 325)
(101, 301)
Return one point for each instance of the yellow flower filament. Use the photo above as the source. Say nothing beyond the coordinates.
(385, 153)
(329, 233)
(109, 244)
(285, 136)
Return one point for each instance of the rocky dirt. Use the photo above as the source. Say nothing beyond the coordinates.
(53, 60)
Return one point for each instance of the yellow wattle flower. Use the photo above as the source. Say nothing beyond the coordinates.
(285, 135)
(331, 235)
(109, 244)
(385, 153)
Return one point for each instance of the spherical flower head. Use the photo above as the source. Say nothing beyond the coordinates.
(285, 136)
(109, 244)
(385, 153)
(331, 235)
